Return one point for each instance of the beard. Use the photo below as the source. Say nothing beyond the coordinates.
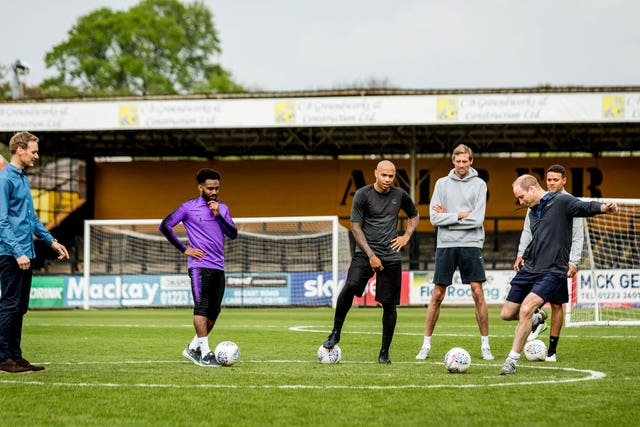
(211, 198)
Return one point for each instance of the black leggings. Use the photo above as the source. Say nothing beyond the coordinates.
(344, 303)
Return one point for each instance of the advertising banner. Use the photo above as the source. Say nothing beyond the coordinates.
(173, 290)
(608, 286)
(47, 292)
(114, 291)
(257, 289)
(314, 288)
(311, 288)
(495, 288)
(323, 111)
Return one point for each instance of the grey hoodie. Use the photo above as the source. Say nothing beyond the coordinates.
(468, 194)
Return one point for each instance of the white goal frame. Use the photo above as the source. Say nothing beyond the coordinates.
(596, 304)
(335, 229)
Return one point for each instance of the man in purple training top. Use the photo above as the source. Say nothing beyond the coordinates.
(206, 221)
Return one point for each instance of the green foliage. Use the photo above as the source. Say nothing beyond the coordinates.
(156, 47)
(5, 85)
(124, 367)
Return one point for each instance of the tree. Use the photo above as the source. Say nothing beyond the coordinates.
(156, 47)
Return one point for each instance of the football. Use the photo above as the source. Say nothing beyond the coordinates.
(227, 353)
(457, 360)
(535, 350)
(329, 356)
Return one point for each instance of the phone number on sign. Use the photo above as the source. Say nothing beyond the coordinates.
(617, 296)
(175, 298)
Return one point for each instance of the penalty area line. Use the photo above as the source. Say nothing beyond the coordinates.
(313, 329)
(589, 376)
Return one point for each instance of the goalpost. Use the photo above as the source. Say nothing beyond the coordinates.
(606, 290)
(274, 261)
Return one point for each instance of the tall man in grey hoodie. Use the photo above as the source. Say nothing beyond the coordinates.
(457, 211)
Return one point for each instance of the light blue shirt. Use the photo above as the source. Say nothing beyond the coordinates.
(18, 220)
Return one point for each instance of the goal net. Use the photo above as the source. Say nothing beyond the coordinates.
(606, 290)
(274, 261)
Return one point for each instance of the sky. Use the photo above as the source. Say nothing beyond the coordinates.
(277, 45)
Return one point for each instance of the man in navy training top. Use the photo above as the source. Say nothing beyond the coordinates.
(374, 224)
(556, 180)
(206, 221)
(546, 257)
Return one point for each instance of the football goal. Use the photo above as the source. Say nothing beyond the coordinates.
(606, 290)
(274, 261)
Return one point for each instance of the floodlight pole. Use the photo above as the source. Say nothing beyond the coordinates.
(17, 86)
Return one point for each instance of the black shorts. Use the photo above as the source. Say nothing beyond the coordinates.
(388, 281)
(545, 285)
(468, 260)
(207, 287)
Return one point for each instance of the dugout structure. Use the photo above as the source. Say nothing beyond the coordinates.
(330, 124)
(407, 124)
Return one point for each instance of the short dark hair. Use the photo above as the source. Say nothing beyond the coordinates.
(205, 174)
(557, 169)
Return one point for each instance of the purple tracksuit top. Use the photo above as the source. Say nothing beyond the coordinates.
(204, 231)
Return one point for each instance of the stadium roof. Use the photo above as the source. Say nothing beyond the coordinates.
(333, 123)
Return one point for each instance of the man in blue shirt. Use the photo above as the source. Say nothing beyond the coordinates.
(18, 225)
(207, 221)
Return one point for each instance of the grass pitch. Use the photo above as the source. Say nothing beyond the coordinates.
(124, 367)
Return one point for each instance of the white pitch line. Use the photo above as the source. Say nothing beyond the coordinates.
(107, 325)
(303, 328)
(324, 331)
(590, 375)
(133, 325)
